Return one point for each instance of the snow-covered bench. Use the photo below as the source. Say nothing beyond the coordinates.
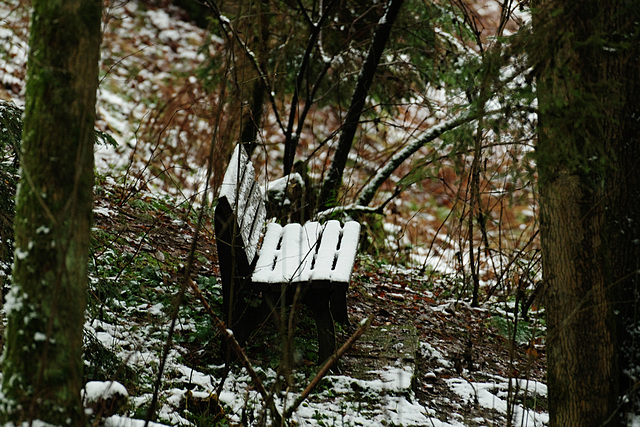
(312, 260)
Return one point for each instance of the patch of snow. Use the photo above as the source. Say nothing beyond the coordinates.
(159, 18)
(14, 300)
(396, 378)
(277, 189)
(430, 353)
(20, 254)
(104, 211)
(96, 390)
(43, 230)
(493, 395)
(120, 421)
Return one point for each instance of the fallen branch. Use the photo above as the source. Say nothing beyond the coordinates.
(328, 365)
(227, 335)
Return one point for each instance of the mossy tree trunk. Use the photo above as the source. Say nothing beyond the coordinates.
(587, 148)
(42, 369)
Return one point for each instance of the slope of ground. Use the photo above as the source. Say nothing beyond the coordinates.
(462, 366)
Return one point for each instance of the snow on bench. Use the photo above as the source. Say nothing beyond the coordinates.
(312, 252)
(311, 260)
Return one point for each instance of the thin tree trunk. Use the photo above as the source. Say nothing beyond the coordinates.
(333, 179)
(252, 117)
(292, 139)
(42, 370)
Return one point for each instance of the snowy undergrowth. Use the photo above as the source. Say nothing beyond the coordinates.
(136, 276)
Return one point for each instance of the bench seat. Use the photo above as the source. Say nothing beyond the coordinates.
(313, 253)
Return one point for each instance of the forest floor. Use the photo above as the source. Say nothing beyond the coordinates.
(429, 358)
(463, 366)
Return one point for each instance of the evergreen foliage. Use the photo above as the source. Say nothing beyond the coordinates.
(10, 137)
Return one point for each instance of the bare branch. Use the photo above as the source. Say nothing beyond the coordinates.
(264, 77)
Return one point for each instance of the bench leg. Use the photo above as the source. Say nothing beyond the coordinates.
(239, 316)
(234, 311)
(339, 307)
(318, 303)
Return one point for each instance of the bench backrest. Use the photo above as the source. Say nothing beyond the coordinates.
(240, 213)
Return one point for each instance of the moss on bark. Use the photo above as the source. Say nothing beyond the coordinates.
(43, 355)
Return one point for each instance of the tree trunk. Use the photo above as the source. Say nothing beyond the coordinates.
(589, 198)
(253, 112)
(580, 341)
(42, 370)
(333, 180)
(293, 138)
(623, 222)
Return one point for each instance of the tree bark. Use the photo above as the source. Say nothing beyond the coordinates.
(580, 339)
(42, 370)
(623, 220)
(333, 179)
(253, 112)
(589, 198)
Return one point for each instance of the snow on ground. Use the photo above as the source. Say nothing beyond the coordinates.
(492, 395)
(386, 400)
(95, 390)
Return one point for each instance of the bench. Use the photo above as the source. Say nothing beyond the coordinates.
(311, 261)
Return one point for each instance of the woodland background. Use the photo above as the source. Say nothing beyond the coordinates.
(433, 152)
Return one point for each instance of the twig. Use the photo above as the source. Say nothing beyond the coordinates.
(328, 365)
(242, 357)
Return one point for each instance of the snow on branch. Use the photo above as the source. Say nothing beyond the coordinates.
(348, 209)
(369, 190)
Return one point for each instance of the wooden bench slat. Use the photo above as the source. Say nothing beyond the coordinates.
(346, 254)
(245, 198)
(291, 247)
(253, 217)
(328, 243)
(267, 266)
(312, 231)
(292, 254)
